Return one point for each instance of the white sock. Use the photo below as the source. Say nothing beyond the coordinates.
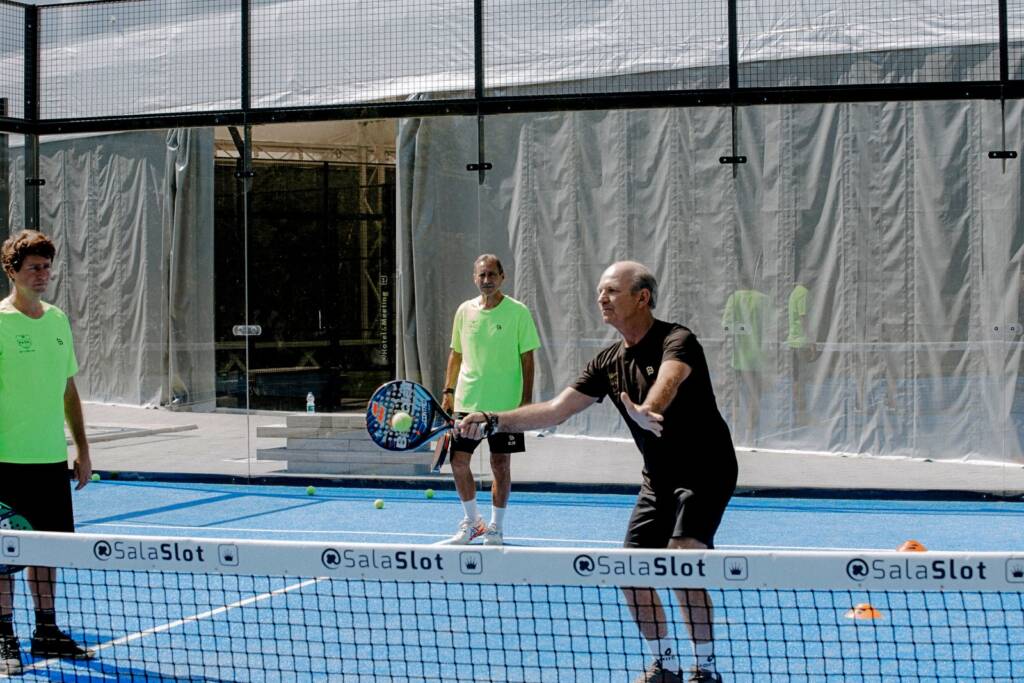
(472, 512)
(704, 651)
(497, 517)
(663, 649)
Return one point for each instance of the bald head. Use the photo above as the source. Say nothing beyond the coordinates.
(637, 275)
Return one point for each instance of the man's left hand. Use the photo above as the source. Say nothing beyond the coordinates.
(83, 470)
(471, 426)
(642, 415)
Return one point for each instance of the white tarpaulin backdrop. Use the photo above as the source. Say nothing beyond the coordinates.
(906, 240)
(132, 217)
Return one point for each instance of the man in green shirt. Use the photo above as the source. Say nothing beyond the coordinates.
(490, 368)
(37, 394)
(744, 321)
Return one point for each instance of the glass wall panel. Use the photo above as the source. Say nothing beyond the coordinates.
(131, 215)
(321, 267)
(848, 282)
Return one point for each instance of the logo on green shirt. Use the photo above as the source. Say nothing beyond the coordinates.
(24, 343)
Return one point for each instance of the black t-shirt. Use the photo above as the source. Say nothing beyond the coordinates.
(695, 448)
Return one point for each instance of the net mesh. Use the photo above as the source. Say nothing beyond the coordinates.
(12, 60)
(865, 43)
(201, 609)
(539, 47)
(311, 53)
(142, 57)
(1015, 38)
(139, 57)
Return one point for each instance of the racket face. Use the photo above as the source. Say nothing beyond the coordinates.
(9, 519)
(409, 397)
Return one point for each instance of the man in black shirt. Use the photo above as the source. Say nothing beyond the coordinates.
(658, 378)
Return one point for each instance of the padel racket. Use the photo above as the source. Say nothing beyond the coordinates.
(428, 418)
(441, 450)
(9, 519)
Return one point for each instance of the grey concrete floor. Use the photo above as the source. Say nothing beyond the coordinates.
(156, 441)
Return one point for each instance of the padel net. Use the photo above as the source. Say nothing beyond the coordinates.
(242, 610)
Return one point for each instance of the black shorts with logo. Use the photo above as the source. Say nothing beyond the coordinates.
(503, 442)
(39, 493)
(664, 514)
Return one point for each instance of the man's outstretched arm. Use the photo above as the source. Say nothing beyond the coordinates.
(533, 416)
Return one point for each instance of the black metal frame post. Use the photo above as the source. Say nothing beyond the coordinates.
(246, 65)
(5, 174)
(33, 181)
(1004, 77)
(733, 158)
(480, 166)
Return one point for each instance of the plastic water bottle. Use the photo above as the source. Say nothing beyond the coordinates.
(310, 403)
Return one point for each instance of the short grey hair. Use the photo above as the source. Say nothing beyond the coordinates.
(483, 258)
(644, 279)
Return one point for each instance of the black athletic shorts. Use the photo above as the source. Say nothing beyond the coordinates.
(39, 493)
(664, 514)
(504, 442)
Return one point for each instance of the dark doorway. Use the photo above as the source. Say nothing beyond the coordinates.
(321, 269)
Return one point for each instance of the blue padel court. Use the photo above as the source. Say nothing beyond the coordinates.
(199, 626)
(534, 519)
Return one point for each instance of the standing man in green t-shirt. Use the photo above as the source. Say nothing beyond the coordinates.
(744, 320)
(490, 368)
(37, 394)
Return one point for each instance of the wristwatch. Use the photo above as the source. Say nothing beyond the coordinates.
(491, 425)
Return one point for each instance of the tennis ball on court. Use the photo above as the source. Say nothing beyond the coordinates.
(401, 422)
(379, 503)
(429, 493)
(95, 476)
(310, 490)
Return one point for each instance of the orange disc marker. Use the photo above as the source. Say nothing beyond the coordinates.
(863, 611)
(912, 546)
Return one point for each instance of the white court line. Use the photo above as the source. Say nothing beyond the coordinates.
(811, 548)
(331, 532)
(196, 617)
(534, 539)
(254, 530)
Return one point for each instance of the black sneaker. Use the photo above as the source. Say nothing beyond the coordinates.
(704, 676)
(49, 642)
(657, 674)
(10, 656)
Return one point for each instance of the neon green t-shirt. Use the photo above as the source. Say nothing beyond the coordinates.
(492, 342)
(744, 319)
(797, 310)
(37, 357)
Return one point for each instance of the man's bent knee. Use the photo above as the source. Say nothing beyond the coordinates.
(501, 462)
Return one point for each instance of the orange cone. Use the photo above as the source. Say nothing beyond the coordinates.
(863, 611)
(912, 546)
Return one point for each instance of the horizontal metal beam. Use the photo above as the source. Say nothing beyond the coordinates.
(490, 106)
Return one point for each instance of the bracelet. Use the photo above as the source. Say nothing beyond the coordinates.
(449, 390)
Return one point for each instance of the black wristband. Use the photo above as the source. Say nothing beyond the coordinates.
(449, 390)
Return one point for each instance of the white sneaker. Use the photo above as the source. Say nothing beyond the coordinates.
(468, 531)
(493, 535)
